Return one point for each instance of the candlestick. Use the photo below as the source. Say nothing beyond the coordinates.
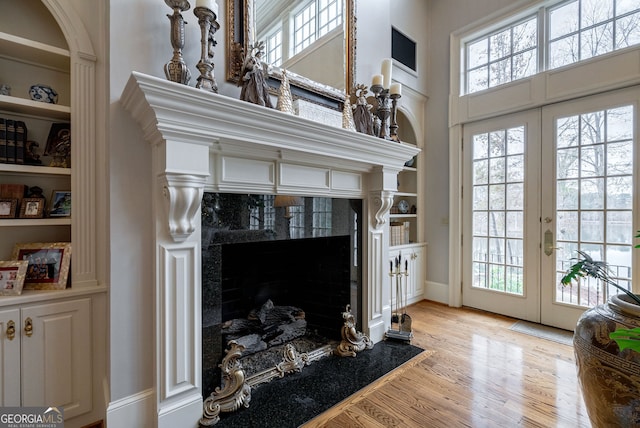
(208, 26)
(395, 88)
(386, 72)
(176, 69)
(209, 4)
(393, 127)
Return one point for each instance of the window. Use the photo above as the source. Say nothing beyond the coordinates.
(576, 30)
(263, 214)
(321, 217)
(314, 20)
(504, 56)
(273, 47)
(582, 29)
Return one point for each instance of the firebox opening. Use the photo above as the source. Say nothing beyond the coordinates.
(250, 263)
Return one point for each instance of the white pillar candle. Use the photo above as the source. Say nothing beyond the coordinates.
(377, 80)
(395, 88)
(386, 72)
(209, 4)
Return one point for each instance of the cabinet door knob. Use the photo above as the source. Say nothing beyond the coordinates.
(28, 327)
(11, 330)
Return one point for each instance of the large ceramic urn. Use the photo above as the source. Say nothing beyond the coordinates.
(609, 377)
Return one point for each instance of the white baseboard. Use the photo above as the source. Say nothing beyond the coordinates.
(134, 411)
(437, 292)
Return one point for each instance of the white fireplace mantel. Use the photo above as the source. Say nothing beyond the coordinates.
(203, 141)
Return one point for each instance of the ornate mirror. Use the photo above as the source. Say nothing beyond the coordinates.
(319, 56)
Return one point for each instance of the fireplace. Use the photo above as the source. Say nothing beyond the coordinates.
(204, 142)
(246, 266)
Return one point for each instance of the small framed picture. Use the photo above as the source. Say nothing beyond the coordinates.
(12, 274)
(48, 264)
(60, 205)
(32, 208)
(8, 208)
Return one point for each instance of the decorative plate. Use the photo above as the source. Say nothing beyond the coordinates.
(403, 206)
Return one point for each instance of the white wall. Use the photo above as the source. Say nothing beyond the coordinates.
(444, 17)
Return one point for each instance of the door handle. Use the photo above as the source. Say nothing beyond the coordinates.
(28, 327)
(11, 330)
(548, 243)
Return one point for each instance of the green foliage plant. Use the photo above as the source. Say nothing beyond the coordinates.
(585, 266)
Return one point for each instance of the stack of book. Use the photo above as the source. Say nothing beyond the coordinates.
(13, 139)
(399, 233)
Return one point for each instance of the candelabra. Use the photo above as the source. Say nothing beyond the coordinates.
(176, 69)
(208, 26)
(383, 110)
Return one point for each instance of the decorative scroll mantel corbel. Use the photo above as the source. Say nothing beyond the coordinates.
(382, 203)
(182, 195)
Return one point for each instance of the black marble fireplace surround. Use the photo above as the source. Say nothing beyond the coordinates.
(242, 269)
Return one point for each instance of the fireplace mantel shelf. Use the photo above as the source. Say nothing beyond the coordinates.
(205, 141)
(167, 110)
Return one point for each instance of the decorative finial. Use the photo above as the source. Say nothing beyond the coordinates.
(347, 116)
(285, 99)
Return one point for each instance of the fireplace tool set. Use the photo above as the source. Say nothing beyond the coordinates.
(400, 318)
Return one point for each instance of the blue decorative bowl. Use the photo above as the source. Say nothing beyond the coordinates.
(43, 93)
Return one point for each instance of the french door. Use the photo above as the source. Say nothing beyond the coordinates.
(538, 186)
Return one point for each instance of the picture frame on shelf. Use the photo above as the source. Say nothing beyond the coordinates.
(8, 207)
(60, 203)
(32, 208)
(48, 264)
(12, 275)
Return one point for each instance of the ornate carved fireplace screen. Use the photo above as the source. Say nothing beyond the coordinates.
(236, 392)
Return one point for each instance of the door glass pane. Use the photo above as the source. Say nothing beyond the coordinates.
(498, 160)
(594, 195)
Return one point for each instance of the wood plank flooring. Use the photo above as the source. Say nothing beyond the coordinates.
(480, 374)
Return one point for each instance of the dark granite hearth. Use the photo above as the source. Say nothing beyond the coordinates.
(299, 397)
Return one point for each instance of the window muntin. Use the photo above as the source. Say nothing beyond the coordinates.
(576, 30)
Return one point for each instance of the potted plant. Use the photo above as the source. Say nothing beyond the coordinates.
(607, 349)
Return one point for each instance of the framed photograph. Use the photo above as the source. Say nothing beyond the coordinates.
(8, 207)
(60, 204)
(12, 274)
(32, 208)
(48, 264)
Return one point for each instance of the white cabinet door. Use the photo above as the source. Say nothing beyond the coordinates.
(10, 358)
(411, 284)
(416, 274)
(56, 356)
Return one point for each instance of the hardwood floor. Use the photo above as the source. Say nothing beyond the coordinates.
(480, 374)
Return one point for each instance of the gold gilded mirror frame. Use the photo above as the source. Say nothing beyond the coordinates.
(240, 34)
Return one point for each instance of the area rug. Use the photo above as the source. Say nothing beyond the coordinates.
(564, 337)
(299, 397)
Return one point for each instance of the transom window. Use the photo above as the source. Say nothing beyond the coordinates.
(576, 30)
(315, 20)
(273, 47)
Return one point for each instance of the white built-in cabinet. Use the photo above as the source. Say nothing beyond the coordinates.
(407, 223)
(45, 355)
(413, 258)
(50, 347)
